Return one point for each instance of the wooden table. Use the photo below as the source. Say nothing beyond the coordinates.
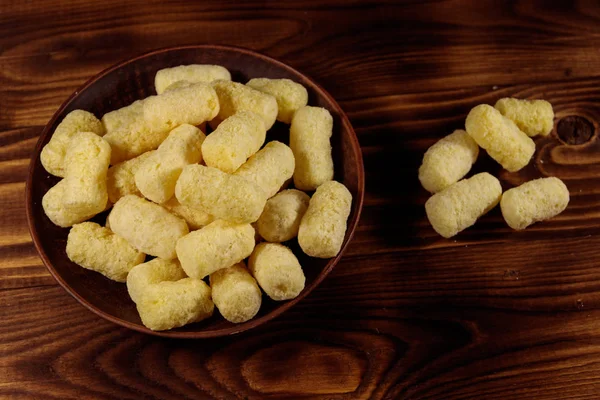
(489, 314)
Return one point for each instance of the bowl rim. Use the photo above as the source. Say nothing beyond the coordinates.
(235, 329)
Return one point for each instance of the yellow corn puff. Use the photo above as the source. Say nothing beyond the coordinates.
(152, 272)
(168, 305)
(237, 138)
(448, 161)
(500, 137)
(86, 167)
(269, 168)
(323, 226)
(221, 195)
(277, 271)
(120, 179)
(194, 218)
(157, 175)
(280, 220)
(458, 206)
(290, 95)
(53, 153)
(192, 73)
(235, 97)
(121, 118)
(96, 248)
(235, 293)
(310, 135)
(192, 105)
(534, 201)
(178, 85)
(128, 134)
(147, 226)
(53, 206)
(534, 117)
(218, 245)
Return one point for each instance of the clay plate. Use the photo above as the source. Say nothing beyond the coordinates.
(131, 80)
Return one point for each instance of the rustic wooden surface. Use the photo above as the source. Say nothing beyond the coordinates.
(490, 314)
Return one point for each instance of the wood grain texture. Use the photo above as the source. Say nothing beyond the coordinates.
(489, 314)
(352, 350)
(381, 48)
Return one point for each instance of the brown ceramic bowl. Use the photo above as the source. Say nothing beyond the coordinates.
(131, 80)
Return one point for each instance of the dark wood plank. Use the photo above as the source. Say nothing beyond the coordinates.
(20, 266)
(380, 49)
(353, 350)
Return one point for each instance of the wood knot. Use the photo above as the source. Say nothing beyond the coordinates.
(512, 274)
(575, 130)
(301, 367)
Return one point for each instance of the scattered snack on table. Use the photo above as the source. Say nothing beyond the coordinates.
(505, 131)
(458, 206)
(200, 221)
(235, 97)
(157, 175)
(97, 248)
(290, 95)
(54, 152)
(147, 226)
(533, 201)
(448, 161)
(270, 168)
(218, 245)
(192, 73)
(500, 137)
(86, 167)
(221, 195)
(280, 220)
(192, 105)
(237, 138)
(323, 226)
(277, 271)
(164, 299)
(120, 179)
(534, 117)
(152, 272)
(310, 135)
(235, 293)
(194, 217)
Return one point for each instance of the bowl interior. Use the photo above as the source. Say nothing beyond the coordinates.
(133, 80)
